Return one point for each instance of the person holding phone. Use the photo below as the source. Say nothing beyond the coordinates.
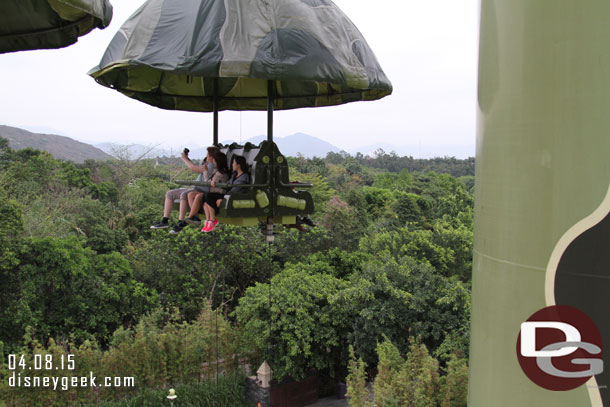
(182, 194)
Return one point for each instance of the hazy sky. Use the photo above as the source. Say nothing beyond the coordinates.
(428, 50)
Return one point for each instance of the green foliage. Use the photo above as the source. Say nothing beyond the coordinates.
(11, 227)
(294, 246)
(343, 223)
(349, 175)
(420, 373)
(6, 153)
(27, 174)
(449, 196)
(191, 267)
(161, 351)
(390, 364)
(339, 263)
(142, 202)
(416, 381)
(447, 248)
(454, 385)
(73, 176)
(302, 326)
(357, 391)
(308, 166)
(407, 208)
(63, 289)
(403, 298)
(158, 353)
(392, 162)
(395, 199)
(401, 181)
(376, 200)
(468, 181)
(105, 191)
(391, 257)
(102, 239)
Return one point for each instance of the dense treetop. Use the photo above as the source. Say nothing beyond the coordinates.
(389, 260)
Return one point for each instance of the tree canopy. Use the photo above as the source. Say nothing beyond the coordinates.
(389, 260)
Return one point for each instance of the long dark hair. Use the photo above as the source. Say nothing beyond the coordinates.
(241, 161)
(221, 162)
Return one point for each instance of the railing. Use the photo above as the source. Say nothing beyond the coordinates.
(225, 185)
(220, 184)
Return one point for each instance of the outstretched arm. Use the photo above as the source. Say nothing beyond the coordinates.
(191, 165)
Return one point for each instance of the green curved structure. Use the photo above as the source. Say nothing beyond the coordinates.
(40, 24)
(542, 180)
(213, 55)
(169, 53)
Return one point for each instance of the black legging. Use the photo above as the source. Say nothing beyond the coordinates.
(211, 198)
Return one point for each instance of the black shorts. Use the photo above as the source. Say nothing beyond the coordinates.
(211, 198)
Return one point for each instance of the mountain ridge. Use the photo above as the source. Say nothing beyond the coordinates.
(61, 147)
(67, 148)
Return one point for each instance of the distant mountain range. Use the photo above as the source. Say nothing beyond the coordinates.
(298, 143)
(60, 147)
(293, 145)
(135, 151)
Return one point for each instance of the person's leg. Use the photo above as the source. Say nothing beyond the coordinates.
(196, 204)
(210, 217)
(183, 208)
(184, 203)
(206, 210)
(207, 220)
(170, 196)
(212, 203)
(210, 200)
(191, 197)
(167, 207)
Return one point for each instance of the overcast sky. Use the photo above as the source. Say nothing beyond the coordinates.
(428, 49)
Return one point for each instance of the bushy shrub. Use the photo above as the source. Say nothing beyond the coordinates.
(414, 381)
(159, 353)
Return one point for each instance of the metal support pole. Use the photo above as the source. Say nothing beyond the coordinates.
(270, 98)
(271, 165)
(215, 108)
(269, 234)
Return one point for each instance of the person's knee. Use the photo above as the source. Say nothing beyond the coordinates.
(174, 194)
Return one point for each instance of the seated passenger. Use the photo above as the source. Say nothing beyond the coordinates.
(239, 176)
(182, 193)
(195, 195)
(220, 175)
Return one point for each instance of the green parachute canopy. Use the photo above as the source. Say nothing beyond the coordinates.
(39, 24)
(170, 53)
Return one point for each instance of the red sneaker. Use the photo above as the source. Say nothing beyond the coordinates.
(212, 224)
(206, 226)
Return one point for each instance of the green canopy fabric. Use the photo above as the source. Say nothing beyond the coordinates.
(169, 52)
(40, 24)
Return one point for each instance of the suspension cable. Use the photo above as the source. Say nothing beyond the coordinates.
(270, 271)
